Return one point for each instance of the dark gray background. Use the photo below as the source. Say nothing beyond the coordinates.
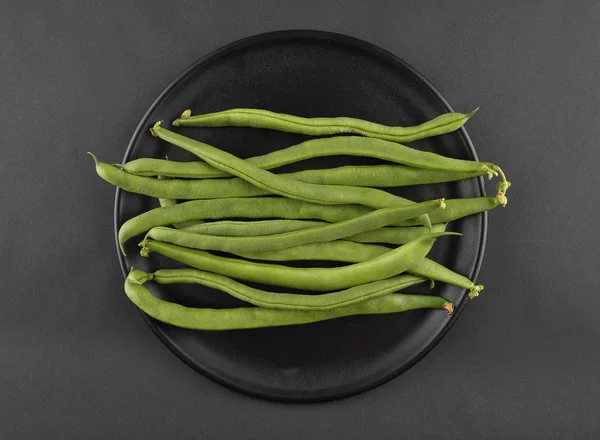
(76, 359)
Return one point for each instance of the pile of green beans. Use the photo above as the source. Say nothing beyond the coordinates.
(258, 221)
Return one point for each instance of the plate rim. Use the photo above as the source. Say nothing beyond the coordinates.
(377, 51)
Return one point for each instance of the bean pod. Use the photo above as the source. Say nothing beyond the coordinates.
(259, 317)
(257, 118)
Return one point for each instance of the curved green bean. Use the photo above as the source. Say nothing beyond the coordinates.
(359, 175)
(333, 231)
(277, 300)
(390, 264)
(350, 252)
(257, 317)
(248, 117)
(176, 188)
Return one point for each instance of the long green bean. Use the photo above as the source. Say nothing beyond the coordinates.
(359, 175)
(278, 300)
(257, 118)
(257, 317)
(350, 252)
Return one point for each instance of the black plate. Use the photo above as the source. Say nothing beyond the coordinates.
(311, 74)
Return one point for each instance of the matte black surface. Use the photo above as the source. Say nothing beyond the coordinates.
(312, 74)
(76, 361)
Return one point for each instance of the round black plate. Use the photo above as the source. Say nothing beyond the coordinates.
(311, 74)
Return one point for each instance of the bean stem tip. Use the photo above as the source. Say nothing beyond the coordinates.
(144, 251)
(449, 307)
(474, 291)
(502, 186)
(186, 114)
(155, 128)
(491, 172)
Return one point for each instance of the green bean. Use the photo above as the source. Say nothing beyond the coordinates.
(379, 176)
(361, 175)
(391, 235)
(256, 317)
(350, 252)
(367, 222)
(248, 117)
(275, 184)
(335, 146)
(390, 264)
(176, 188)
(277, 300)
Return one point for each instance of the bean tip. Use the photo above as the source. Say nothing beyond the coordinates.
(139, 276)
(449, 307)
(186, 114)
(155, 128)
(144, 251)
(474, 291)
(445, 233)
(491, 171)
(501, 197)
(94, 156)
(468, 115)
